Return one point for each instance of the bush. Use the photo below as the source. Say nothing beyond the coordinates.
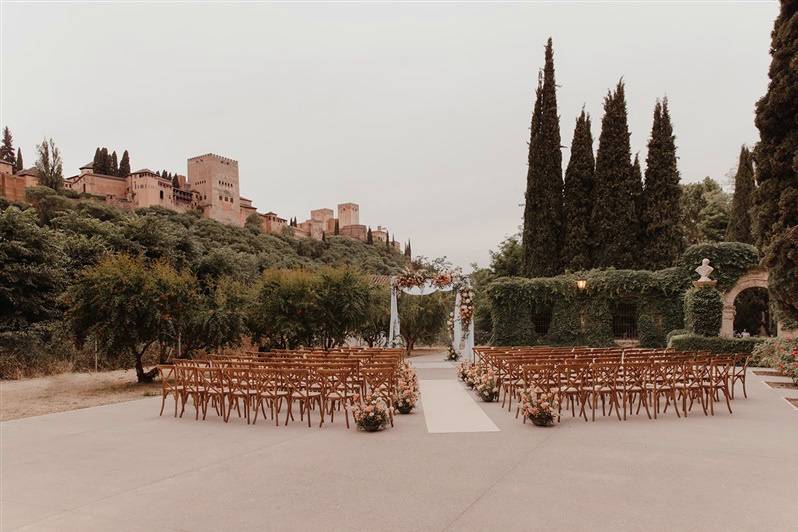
(696, 342)
(731, 260)
(703, 311)
(773, 352)
(675, 332)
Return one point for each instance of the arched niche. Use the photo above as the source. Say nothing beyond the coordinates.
(753, 279)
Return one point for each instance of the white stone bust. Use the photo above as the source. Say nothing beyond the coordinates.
(704, 270)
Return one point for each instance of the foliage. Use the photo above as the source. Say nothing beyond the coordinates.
(49, 165)
(775, 154)
(507, 261)
(662, 242)
(282, 312)
(422, 318)
(578, 192)
(704, 212)
(31, 276)
(374, 328)
(342, 305)
(731, 260)
(782, 261)
(7, 148)
(585, 318)
(714, 344)
(773, 352)
(703, 311)
(739, 229)
(543, 231)
(614, 218)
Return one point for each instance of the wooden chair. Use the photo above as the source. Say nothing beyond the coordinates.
(169, 385)
(381, 383)
(739, 371)
(336, 391)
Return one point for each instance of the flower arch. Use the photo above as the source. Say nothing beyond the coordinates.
(424, 282)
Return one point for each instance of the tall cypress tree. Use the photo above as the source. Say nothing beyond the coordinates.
(114, 166)
(661, 237)
(408, 250)
(613, 219)
(543, 226)
(578, 201)
(636, 182)
(7, 153)
(104, 162)
(124, 165)
(369, 237)
(97, 163)
(19, 166)
(337, 230)
(775, 154)
(739, 228)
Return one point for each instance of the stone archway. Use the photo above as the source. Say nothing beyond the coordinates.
(753, 279)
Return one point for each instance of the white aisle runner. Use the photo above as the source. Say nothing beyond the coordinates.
(449, 407)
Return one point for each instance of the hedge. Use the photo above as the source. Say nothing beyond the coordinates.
(713, 344)
(703, 311)
(585, 318)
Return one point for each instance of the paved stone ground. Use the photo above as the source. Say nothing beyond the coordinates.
(122, 467)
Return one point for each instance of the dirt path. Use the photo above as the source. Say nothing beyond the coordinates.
(70, 391)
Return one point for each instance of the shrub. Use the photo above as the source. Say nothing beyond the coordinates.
(731, 260)
(713, 344)
(703, 311)
(773, 352)
(675, 332)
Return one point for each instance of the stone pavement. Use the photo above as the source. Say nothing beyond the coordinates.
(122, 467)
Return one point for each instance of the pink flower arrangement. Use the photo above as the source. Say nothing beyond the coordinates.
(486, 383)
(407, 388)
(370, 413)
(539, 407)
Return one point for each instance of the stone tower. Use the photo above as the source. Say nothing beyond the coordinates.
(215, 179)
(348, 214)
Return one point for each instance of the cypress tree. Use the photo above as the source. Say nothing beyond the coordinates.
(369, 237)
(114, 166)
(578, 188)
(636, 182)
(97, 163)
(337, 229)
(408, 250)
(739, 228)
(543, 231)
(7, 148)
(105, 163)
(661, 237)
(19, 166)
(387, 242)
(124, 165)
(175, 181)
(775, 154)
(613, 219)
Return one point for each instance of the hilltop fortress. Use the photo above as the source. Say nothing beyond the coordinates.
(210, 186)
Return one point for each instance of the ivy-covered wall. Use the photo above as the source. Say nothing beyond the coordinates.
(585, 317)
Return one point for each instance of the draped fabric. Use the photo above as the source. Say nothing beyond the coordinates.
(394, 329)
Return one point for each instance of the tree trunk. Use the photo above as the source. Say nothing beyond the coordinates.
(141, 375)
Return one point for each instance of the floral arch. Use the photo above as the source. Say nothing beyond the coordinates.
(425, 282)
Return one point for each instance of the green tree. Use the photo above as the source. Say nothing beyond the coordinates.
(739, 229)
(507, 261)
(637, 195)
(31, 278)
(369, 237)
(614, 219)
(408, 250)
(283, 309)
(253, 223)
(661, 240)
(105, 162)
(49, 165)
(124, 165)
(7, 148)
(18, 167)
(775, 154)
(578, 187)
(342, 303)
(374, 328)
(337, 230)
(543, 212)
(97, 162)
(422, 318)
(704, 212)
(124, 304)
(113, 167)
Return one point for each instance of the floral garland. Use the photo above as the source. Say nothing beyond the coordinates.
(442, 279)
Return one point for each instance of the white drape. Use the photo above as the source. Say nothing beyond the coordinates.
(394, 328)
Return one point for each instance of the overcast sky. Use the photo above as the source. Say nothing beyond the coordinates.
(419, 113)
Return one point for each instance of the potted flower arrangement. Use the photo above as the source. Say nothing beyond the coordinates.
(539, 407)
(451, 354)
(370, 414)
(407, 389)
(471, 375)
(487, 384)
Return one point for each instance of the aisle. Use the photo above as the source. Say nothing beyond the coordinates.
(447, 405)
